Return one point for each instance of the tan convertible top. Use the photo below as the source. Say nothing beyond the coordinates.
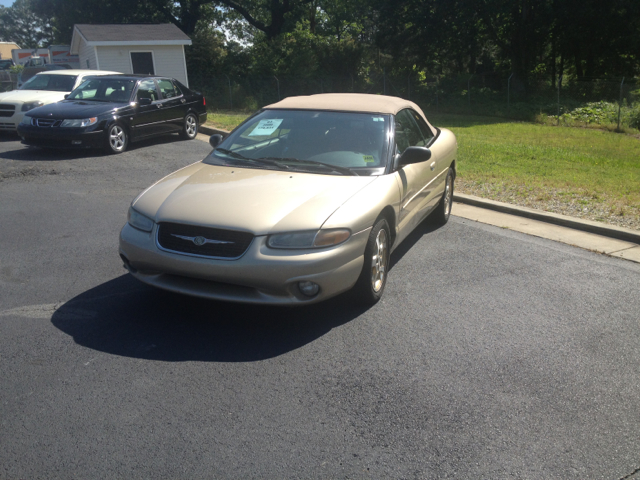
(349, 102)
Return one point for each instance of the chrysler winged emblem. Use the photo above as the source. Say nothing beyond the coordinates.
(200, 240)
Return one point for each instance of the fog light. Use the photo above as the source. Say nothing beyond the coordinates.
(310, 289)
(76, 142)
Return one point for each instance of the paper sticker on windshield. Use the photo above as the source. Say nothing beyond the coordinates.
(368, 159)
(266, 127)
(378, 119)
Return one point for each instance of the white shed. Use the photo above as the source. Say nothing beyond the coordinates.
(156, 49)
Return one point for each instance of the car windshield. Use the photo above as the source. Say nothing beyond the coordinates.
(332, 143)
(104, 90)
(55, 83)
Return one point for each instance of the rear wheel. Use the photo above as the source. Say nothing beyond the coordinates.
(373, 278)
(441, 214)
(190, 127)
(117, 138)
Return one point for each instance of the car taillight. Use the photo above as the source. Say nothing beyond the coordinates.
(204, 101)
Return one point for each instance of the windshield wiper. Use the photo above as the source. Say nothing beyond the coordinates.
(86, 100)
(270, 161)
(335, 168)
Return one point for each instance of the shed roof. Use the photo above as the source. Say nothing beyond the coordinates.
(128, 34)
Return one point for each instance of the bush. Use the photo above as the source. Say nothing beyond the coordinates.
(634, 116)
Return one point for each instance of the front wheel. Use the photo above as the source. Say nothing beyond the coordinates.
(441, 214)
(190, 127)
(117, 138)
(373, 278)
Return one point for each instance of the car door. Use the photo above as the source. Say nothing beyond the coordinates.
(436, 162)
(173, 106)
(147, 118)
(416, 179)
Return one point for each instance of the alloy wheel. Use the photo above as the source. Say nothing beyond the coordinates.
(117, 138)
(379, 261)
(191, 126)
(447, 196)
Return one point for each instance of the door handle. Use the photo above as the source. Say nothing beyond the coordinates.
(182, 100)
(433, 165)
(159, 105)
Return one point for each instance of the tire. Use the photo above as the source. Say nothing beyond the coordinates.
(117, 138)
(373, 278)
(441, 214)
(190, 127)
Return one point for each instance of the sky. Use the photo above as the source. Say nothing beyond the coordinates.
(6, 3)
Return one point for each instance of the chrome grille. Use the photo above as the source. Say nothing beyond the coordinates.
(215, 242)
(7, 110)
(47, 122)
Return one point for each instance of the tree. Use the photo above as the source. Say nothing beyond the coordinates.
(272, 17)
(441, 36)
(65, 14)
(22, 25)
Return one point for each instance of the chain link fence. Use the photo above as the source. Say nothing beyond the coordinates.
(8, 81)
(594, 99)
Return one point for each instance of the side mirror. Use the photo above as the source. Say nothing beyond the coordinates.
(414, 155)
(144, 101)
(66, 96)
(215, 140)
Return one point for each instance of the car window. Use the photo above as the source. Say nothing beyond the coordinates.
(177, 87)
(407, 133)
(356, 141)
(167, 89)
(147, 89)
(103, 89)
(181, 88)
(426, 132)
(55, 83)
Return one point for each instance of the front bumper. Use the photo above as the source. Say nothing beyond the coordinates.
(57, 137)
(10, 119)
(262, 275)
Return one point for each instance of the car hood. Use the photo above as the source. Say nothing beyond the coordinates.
(258, 201)
(75, 109)
(22, 96)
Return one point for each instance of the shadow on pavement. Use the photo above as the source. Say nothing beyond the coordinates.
(30, 154)
(125, 317)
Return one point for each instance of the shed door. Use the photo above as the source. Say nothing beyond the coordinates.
(142, 62)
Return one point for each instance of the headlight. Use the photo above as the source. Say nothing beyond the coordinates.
(80, 122)
(31, 105)
(26, 120)
(309, 239)
(139, 221)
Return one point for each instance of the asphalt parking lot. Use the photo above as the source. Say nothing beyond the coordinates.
(493, 354)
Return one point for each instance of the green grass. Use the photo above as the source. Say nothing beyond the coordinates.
(225, 120)
(594, 160)
(544, 160)
(576, 171)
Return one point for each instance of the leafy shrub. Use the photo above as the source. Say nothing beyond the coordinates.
(595, 113)
(634, 116)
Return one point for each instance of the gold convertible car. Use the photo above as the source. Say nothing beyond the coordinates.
(304, 200)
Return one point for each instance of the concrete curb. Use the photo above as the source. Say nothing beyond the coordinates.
(212, 131)
(618, 233)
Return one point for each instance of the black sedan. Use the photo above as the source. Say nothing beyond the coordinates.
(112, 110)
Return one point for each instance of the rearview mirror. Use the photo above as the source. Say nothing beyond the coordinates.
(144, 101)
(215, 140)
(414, 155)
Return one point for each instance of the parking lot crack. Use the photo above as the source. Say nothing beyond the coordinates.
(27, 172)
(627, 477)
